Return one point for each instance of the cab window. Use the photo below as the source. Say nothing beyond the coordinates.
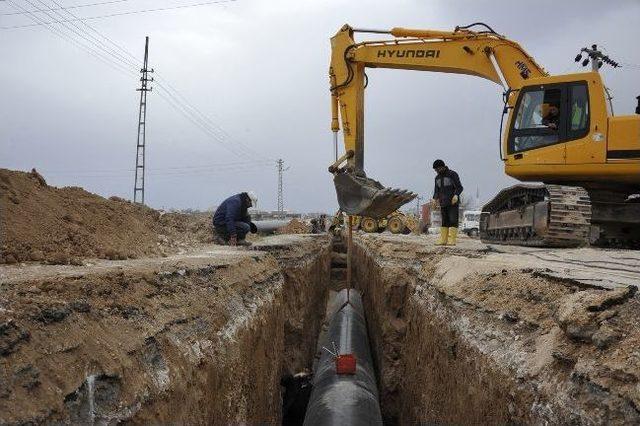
(538, 109)
(579, 99)
(537, 119)
(550, 114)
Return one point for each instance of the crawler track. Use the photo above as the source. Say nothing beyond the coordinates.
(539, 216)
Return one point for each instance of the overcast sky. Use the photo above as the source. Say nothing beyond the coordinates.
(258, 70)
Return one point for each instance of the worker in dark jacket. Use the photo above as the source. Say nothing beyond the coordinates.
(446, 193)
(231, 220)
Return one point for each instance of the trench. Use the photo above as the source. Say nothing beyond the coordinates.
(232, 338)
(494, 347)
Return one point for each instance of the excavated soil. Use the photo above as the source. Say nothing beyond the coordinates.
(469, 335)
(201, 338)
(294, 226)
(39, 222)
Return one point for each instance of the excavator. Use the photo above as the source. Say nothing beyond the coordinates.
(560, 130)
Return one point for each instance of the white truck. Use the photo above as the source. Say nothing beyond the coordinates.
(471, 223)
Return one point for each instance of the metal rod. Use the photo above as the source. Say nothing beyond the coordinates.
(370, 30)
(347, 155)
(349, 254)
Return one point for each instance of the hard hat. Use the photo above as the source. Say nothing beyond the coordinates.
(253, 197)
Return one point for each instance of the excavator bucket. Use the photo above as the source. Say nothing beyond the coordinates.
(361, 196)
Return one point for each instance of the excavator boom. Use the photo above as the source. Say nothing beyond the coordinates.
(461, 51)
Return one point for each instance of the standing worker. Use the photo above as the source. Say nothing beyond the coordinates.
(446, 193)
(231, 220)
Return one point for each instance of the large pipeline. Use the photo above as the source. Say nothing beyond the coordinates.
(345, 399)
(266, 227)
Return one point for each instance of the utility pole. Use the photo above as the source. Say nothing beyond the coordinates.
(281, 169)
(138, 187)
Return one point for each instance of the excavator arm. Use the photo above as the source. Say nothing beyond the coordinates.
(483, 54)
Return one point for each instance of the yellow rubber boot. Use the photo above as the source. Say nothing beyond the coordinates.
(444, 232)
(453, 236)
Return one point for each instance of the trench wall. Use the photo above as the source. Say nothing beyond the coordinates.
(194, 339)
(490, 349)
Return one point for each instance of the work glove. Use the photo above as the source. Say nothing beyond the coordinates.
(454, 200)
(254, 228)
(233, 240)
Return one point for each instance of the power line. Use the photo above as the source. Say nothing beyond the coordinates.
(221, 168)
(172, 96)
(177, 101)
(220, 133)
(199, 123)
(77, 6)
(170, 168)
(87, 37)
(186, 109)
(111, 15)
(66, 37)
(181, 104)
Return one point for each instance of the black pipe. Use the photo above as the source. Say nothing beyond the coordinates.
(345, 399)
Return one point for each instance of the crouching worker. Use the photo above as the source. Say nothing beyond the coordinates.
(231, 221)
(446, 193)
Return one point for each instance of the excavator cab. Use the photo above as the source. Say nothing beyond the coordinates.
(362, 196)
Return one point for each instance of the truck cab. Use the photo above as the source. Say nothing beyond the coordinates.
(471, 223)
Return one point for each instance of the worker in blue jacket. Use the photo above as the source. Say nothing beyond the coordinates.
(231, 220)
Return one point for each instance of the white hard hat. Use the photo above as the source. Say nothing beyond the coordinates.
(253, 197)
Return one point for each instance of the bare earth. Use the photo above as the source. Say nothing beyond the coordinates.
(503, 334)
(40, 223)
(198, 338)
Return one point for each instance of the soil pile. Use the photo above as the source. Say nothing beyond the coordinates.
(295, 226)
(39, 222)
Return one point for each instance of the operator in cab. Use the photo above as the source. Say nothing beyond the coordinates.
(232, 222)
(552, 117)
(446, 194)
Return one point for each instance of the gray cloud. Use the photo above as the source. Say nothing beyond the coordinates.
(259, 69)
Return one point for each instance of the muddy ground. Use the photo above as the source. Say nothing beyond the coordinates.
(202, 338)
(479, 334)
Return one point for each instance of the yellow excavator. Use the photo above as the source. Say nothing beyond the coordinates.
(560, 130)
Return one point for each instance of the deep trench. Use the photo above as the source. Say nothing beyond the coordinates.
(297, 386)
(424, 372)
(209, 340)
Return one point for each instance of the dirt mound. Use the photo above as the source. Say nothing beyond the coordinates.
(295, 226)
(39, 222)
